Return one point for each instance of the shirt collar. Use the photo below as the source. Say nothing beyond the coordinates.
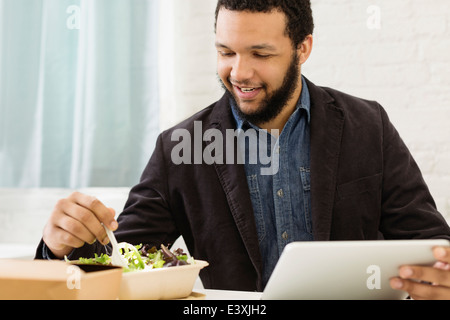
(303, 103)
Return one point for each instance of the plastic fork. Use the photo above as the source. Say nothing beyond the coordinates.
(116, 258)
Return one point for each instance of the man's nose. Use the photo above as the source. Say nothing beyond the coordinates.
(241, 70)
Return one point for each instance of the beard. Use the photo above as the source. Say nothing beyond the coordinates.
(275, 102)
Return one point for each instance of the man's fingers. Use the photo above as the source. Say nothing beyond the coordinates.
(425, 282)
(87, 213)
(103, 214)
(78, 229)
(442, 254)
(68, 239)
(60, 241)
(420, 290)
(81, 222)
(427, 274)
(76, 220)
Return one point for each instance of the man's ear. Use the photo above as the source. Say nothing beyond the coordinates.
(304, 49)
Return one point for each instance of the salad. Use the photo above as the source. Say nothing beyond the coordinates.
(143, 257)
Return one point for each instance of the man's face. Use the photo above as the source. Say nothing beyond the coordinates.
(257, 63)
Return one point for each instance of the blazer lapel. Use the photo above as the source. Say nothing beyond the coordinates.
(327, 122)
(234, 183)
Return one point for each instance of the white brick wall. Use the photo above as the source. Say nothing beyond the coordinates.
(404, 65)
(187, 58)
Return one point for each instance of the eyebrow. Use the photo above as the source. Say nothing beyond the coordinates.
(263, 46)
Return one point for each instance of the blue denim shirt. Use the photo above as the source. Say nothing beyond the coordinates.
(281, 201)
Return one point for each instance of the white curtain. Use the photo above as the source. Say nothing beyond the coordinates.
(78, 91)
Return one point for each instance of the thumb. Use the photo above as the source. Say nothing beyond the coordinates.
(113, 225)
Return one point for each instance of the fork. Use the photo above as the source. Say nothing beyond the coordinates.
(116, 258)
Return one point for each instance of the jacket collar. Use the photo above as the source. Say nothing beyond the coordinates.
(327, 123)
(234, 183)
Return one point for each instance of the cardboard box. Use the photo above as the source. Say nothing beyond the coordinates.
(57, 280)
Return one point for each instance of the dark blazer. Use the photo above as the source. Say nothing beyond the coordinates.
(364, 185)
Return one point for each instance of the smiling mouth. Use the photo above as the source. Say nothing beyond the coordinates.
(244, 88)
(247, 93)
(247, 89)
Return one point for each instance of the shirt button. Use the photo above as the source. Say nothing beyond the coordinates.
(280, 193)
(285, 235)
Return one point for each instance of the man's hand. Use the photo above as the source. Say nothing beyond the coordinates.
(75, 221)
(426, 283)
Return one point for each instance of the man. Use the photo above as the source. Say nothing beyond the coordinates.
(339, 172)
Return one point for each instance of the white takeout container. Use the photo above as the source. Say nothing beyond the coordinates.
(161, 283)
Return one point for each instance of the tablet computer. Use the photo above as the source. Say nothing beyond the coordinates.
(345, 270)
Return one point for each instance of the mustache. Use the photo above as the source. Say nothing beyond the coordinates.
(245, 83)
(232, 82)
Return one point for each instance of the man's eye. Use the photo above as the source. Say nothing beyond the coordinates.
(226, 54)
(261, 55)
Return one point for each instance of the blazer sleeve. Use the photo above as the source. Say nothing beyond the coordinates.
(408, 209)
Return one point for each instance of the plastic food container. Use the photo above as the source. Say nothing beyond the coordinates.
(161, 283)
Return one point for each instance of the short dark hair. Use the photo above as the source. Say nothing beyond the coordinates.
(299, 24)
